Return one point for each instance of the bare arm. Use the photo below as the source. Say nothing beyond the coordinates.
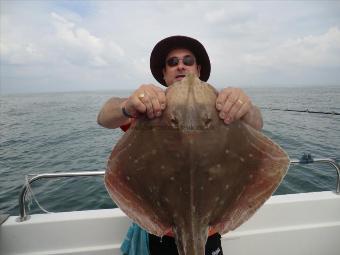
(147, 99)
(254, 118)
(111, 115)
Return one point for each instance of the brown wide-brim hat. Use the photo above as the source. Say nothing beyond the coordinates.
(163, 47)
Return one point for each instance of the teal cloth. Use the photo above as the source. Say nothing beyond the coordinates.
(136, 241)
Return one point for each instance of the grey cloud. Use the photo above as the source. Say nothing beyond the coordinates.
(311, 50)
(57, 47)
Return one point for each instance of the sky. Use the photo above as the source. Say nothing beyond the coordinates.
(52, 46)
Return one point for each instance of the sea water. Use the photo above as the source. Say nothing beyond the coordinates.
(57, 132)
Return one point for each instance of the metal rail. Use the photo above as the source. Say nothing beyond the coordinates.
(22, 198)
(305, 159)
(308, 159)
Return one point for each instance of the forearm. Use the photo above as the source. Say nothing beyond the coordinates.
(111, 115)
(254, 118)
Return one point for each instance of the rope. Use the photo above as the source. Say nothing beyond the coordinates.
(31, 197)
(307, 111)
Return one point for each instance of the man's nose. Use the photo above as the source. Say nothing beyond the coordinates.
(180, 65)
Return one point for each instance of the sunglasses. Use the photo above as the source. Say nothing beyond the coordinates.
(187, 60)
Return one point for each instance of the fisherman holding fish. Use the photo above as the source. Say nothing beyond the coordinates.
(171, 59)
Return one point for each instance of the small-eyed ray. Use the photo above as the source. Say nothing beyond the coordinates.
(188, 172)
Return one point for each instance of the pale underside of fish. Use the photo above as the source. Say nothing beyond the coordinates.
(187, 171)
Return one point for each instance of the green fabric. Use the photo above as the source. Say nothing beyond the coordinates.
(136, 241)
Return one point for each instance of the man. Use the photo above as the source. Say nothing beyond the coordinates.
(171, 59)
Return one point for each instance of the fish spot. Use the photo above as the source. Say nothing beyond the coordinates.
(217, 198)
(128, 178)
(210, 179)
(226, 187)
(250, 176)
(221, 202)
(226, 151)
(241, 159)
(202, 188)
(162, 167)
(251, 155)
(135, 161)
(153, 152)
(215, 170)
(129, 144)
(172, 178)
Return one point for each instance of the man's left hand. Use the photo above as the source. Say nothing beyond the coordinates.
(232, 104)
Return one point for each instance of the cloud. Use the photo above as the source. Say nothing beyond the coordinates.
(13, 49)
(56, 45)
(82, 46)
(308, 51)
(215, 16)
(228, 13)
(20, 53)
(66, 41)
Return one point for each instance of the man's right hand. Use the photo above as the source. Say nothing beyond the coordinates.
(147, 99)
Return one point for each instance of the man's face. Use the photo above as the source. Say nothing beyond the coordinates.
(184, 66)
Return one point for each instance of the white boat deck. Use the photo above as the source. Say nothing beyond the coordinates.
(299, 224)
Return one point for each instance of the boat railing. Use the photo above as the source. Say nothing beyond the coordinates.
(305, 159)
(32, 178)
(309, 159)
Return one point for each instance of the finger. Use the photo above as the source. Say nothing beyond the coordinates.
(152, 91)
(228, 105)
(135, 106)
(145, 99)
(222, 97)
(161, 98)
(156, 107)
(245, 108)
(160, 94)
(234, 110)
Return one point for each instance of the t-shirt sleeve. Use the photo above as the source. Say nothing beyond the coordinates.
(125, 127)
